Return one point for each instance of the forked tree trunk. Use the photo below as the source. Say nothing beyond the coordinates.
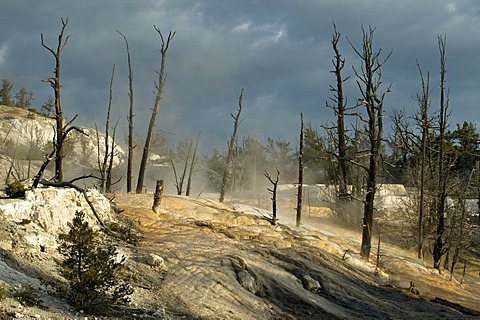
(273, 192)
(369, 82)
(192, 166)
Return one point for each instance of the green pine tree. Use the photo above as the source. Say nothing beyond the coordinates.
(6, 93)
(97, 281)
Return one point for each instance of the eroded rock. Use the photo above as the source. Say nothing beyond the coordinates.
(310, 284)
(155, 261)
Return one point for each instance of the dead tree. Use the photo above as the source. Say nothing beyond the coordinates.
(440, 248)
(130, 119)
(157, 196)
(423, 103)
(340, 109)
(477, 169)
(369, 83)
(66, 130)
(175, 175)
(192, 166)
(231, 146)
(463, 195)
(273, 192)
(300, 174)
(103, 161)
(158, 96)
(109, 182)
(185, 166)
(56, 85)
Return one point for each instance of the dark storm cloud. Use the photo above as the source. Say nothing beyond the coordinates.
(279, 51)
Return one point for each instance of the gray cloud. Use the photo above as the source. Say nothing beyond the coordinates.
(279, 51)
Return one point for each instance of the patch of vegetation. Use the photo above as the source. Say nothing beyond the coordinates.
(3, 293)
(97, 281)
(28, 297)
(15, 189)
(126, 231)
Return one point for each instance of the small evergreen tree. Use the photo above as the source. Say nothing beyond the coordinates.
(96, 280)
(6, 93)
(24, 99)
(48, 107)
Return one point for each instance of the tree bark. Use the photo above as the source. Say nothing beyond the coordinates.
(192, 165)
(130, 118)
(300, 174)
(159, 90)
(439, 246)
(369, 82)
(231, 145)
(423, 102)
(56, 85)
(338, 64)
(184, 173)
(157, 196)
(273, 192)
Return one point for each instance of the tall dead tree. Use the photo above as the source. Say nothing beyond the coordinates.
(56, 85)
(423, 103)
(231, 147)
(372, 98)
(103, 161)
(440, 248)
(300, 174)
(339, 108)
(158, 96)
(130, 118)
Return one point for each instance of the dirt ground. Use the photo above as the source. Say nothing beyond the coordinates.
(222, 261)
(202, 242)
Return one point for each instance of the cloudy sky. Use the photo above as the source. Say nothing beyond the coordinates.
(279, 51)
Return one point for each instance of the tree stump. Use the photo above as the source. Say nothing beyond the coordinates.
(157, 196)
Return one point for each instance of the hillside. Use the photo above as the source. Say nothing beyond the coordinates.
(26, 137)
(224, 261)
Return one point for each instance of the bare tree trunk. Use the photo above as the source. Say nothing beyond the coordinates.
(339, 109)
(56, 85)
(369, 82)
(103, 164)
(439, 246)
(184, 173)
(177, 183)
(38, 177)
(130, 119)
(157, 196)
(300, 174)
(423, 102)
(192, 165)
(158, 96)
(273, 192)
(109, 183)
(477, 165)
(231, 146)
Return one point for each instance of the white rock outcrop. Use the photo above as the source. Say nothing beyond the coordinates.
(44, 212)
